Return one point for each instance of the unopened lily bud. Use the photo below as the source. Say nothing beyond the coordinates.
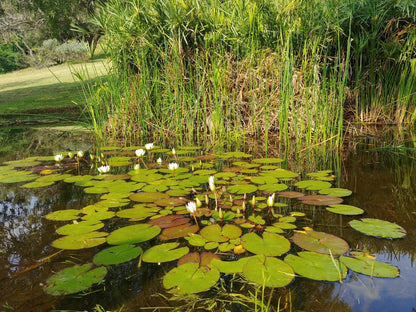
(253, 201)
(206, 200)
(198, 202)
(220, 214)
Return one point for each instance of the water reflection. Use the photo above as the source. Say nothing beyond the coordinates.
(381, 181)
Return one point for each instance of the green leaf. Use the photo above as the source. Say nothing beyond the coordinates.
(164, 253)
(313, 185)
(64, 215)
(133, 234)
(347, 210)
(368, 265)
(317, 266)
(242, 189)
(74, 279)
(270, 245)
(214, 233)
(189, 278)
(378, 228)
(321, 242)
(80, 227)
(80, 241)
(117, 254)
(337, 192)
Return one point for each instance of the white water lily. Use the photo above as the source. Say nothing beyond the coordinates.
(80, 154)
(149, 146)
(58, 157)
(140, 152)
(191, 207)
(103, 169)
(211, 182)
(159, 161)
(270, 200)
(173, 166)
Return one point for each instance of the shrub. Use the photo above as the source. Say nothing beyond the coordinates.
(10, 58)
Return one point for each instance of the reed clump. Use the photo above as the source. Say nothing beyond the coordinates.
(192, 69)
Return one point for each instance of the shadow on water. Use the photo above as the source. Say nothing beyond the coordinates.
(381, 178)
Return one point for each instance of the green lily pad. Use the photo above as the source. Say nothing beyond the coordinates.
(317, 266)
(53, 177)
(147, 197)
(337, 192)
(313, 185)
(164, 253)
(347, 210)
(290, 194)
(22, 163)
(117, 254)
(268, 271)
(80, 227)
(378, 228)
(78, 178)
(80, 241)
(270, 245)
(17, 176)
(64, 215)
(320, 200)
(280, 174)
(368, 265)
(230, 267)
(170, 202)
(74, 279)
(214, 233)
(196, 240)
(190, 278)
(264, 180)
(205, 259)
(278, 187)
(268, 160)
(36, 184)
(133, 234)
(320, 242)
(205, 172)
(137, 213)
(178, 193)
(178, 231)
(242, 189)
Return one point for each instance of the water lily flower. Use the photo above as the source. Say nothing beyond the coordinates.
(103, 169)
(140, 152)
(211, 182)
(173, 166)
(270, 200)
(191, 207)
(80, 154)
(149, 146)
(159, 161)
(58, 157)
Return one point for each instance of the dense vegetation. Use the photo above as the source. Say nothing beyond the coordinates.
(183, 68)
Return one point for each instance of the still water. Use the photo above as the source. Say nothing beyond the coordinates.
(381, 178)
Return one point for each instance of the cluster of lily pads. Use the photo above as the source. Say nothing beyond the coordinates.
(233, 211)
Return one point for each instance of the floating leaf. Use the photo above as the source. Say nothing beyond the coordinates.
(178, 231)
(230, 267)
(263, 180)
(320, 200)
(378, 228)
(278, 187)
(22, 163)
(242, 189)
(190, 278)
(280, 174)
(345, 210)
(36, 184)
(317, 266)
(17, 176)
(137, 212)
(313, 185)
(268, 271)
(196, 240)
(148, 197)
(337, 192)
(80, 241)
(320, 242)
(170, 202)
(268, 160)
(169, 221)
(117, 254)
(133, 234)
(53, 177)
(164, 253)
(80, 227)
(204, 259)
(74, 279)
(64, 215)
(214, 233)
(290, 194)
(270, 245)
(362, 263)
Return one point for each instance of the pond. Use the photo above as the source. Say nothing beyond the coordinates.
(232, 226)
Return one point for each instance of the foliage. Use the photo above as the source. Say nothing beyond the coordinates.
(10, 58)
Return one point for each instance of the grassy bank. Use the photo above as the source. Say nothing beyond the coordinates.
(47, 93)
(226, 69)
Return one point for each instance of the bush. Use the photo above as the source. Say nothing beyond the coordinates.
(10, 58)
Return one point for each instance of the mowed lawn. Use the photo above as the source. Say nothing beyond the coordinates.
(46, 89)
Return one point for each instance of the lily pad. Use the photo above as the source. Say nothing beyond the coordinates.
(190, 278)
(317, 266)
(170, 202)
(320, 200)
(74, 279)
(242, 189)
(17, 176)
(117, 254)
(313, 185)
(230, 267)
(368, 265)
(169, 221)
(268, 271)
(203, 259)
(214, 233)
(178, 231)
(378, 228)
(278, 187)
(270, 245)
(80, 227)
(64, 215)
(80, 241)
(164, 253)
(268, 160)
(320, 242)
(133, 234)
(337, 192)
(347, 210)
(147, 197)
(290, 194)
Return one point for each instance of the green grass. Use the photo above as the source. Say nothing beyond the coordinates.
(44, 90)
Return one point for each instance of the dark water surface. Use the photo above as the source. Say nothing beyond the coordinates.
(382, 181)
